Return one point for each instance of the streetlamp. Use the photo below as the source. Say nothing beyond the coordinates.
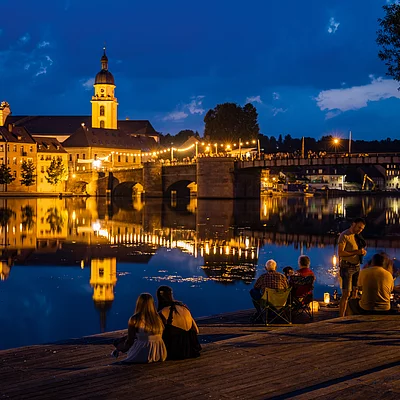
(335, 144)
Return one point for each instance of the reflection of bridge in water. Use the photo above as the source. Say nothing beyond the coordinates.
(222, 233)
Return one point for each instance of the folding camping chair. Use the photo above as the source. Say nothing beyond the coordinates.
(274, 305)
(302, 295)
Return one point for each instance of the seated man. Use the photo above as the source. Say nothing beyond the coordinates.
(270, 279)
(301, 289)
(377, 285)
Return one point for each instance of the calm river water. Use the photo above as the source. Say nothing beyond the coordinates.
(74, 267)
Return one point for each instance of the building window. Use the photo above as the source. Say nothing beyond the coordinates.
(15, 174)
(126, 158)
(15, 147)
(119, 158)
(101, 111)
(101, 124)
(31, 149)
(77, 156)
(1, 147)
(84, 156)
(42, 169)
(70, 157)
(8, 147)
(95, 156)
(15, 160)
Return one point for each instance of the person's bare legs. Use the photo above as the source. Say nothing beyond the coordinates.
(343, 302)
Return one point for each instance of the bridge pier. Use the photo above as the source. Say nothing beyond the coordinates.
(215, 178)
(152, 180)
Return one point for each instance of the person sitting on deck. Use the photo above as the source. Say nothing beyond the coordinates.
(288, 272)
(144, 343)
(304, 270)
(180, 333)
(270, 279)
(376, 284)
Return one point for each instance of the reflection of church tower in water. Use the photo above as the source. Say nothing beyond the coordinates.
(103, 278)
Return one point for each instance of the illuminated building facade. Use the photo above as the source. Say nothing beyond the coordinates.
(17, 146)
(49, 149)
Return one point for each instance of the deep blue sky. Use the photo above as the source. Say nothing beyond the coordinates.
(310, 67)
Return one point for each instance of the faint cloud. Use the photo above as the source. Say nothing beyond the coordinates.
(254, 99)
(24, 39)
(333, 25)
(42, 44)
(88, 84)
(195, 106)
(276, 111)
(42, 70)
(176, 116)
(49, 60)
(276, 96)
(27, 66)
(336, 101)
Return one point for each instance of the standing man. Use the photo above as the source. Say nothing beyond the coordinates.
(350, 255)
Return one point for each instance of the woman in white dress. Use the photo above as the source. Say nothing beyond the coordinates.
(145, 330)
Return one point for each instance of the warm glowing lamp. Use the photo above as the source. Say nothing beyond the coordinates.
(327, 298)
(314, 306)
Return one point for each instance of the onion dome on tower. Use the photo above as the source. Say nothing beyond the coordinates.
(104, 76)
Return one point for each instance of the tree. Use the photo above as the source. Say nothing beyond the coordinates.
(28, 215)
(230, 122)
(55, 219)
(6, 176)
(28, 176)
(388, 38)
(56, 172)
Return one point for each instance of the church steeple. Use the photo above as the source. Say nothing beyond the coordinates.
(104, 102)
(104, 60)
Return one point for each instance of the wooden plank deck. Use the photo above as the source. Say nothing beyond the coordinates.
(343, 358)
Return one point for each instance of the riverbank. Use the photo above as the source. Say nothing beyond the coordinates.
(37, 194)
(347, 358)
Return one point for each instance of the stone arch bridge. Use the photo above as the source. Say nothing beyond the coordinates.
(210, 177)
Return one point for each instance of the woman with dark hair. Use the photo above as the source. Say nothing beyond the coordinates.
(180, 329)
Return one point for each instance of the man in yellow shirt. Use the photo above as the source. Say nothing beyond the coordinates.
(377, 285)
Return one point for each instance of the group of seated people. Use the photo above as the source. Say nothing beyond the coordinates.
(272, 279)
(375, 285)
(170, 332)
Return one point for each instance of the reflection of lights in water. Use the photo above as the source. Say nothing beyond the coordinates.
(207, 249)
(96, 226)
(334, 260)
(247, 242)
(227, 250)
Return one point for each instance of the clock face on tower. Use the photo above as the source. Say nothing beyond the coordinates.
(102, 90)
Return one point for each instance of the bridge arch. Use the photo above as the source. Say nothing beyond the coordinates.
(182, 188)
(129, 189)
(79, 187)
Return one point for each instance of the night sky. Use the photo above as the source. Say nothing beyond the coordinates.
(310, 67)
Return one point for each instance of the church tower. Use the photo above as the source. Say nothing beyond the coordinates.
(104, 103)
(103, 277)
